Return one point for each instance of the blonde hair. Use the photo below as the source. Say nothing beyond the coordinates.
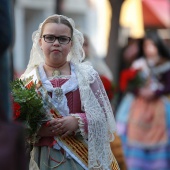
(58, 19)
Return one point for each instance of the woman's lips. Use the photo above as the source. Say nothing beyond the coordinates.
(56, 51)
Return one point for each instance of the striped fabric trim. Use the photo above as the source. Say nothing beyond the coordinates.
(77, 148)
(114, 165)
(30, 84)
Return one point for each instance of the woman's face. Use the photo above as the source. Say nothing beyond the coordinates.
(55, 53)
(151, 52)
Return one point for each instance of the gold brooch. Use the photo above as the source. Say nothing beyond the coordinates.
(59, 94)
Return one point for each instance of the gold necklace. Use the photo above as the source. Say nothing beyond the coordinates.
(56, 71)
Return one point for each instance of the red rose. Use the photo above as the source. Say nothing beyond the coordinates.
(126, 76)
(16, 108)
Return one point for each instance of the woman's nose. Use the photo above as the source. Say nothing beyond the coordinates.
(56, 42)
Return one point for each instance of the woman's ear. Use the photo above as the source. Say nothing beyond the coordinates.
(40, 43)
(71, 43)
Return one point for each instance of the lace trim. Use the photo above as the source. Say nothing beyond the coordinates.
(81, 126)
(61, 77)
(101, 123)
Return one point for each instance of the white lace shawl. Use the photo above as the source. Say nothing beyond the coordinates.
(101, 122)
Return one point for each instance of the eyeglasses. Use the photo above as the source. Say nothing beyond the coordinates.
(52, 39)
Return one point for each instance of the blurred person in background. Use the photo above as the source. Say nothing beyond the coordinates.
(143, 117)
(12, 149)
(99, 65)
(128, 54)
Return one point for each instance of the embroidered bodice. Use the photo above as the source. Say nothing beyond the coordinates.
(73, 97)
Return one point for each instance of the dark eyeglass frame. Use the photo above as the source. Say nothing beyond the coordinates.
(58, 38)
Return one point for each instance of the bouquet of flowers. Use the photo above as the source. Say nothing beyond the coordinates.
(131, 79)
(28, 107)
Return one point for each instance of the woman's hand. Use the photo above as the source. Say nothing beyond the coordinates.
(45, 130)
(63, 126)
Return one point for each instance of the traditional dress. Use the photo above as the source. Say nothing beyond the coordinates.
(144, 126)
(45, 156)
(89, 147)
(52, 152)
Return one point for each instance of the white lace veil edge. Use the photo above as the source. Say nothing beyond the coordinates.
(101, 122)
(76, 54)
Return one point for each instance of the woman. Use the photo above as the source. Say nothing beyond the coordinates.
(79, 134)
(143, 116)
